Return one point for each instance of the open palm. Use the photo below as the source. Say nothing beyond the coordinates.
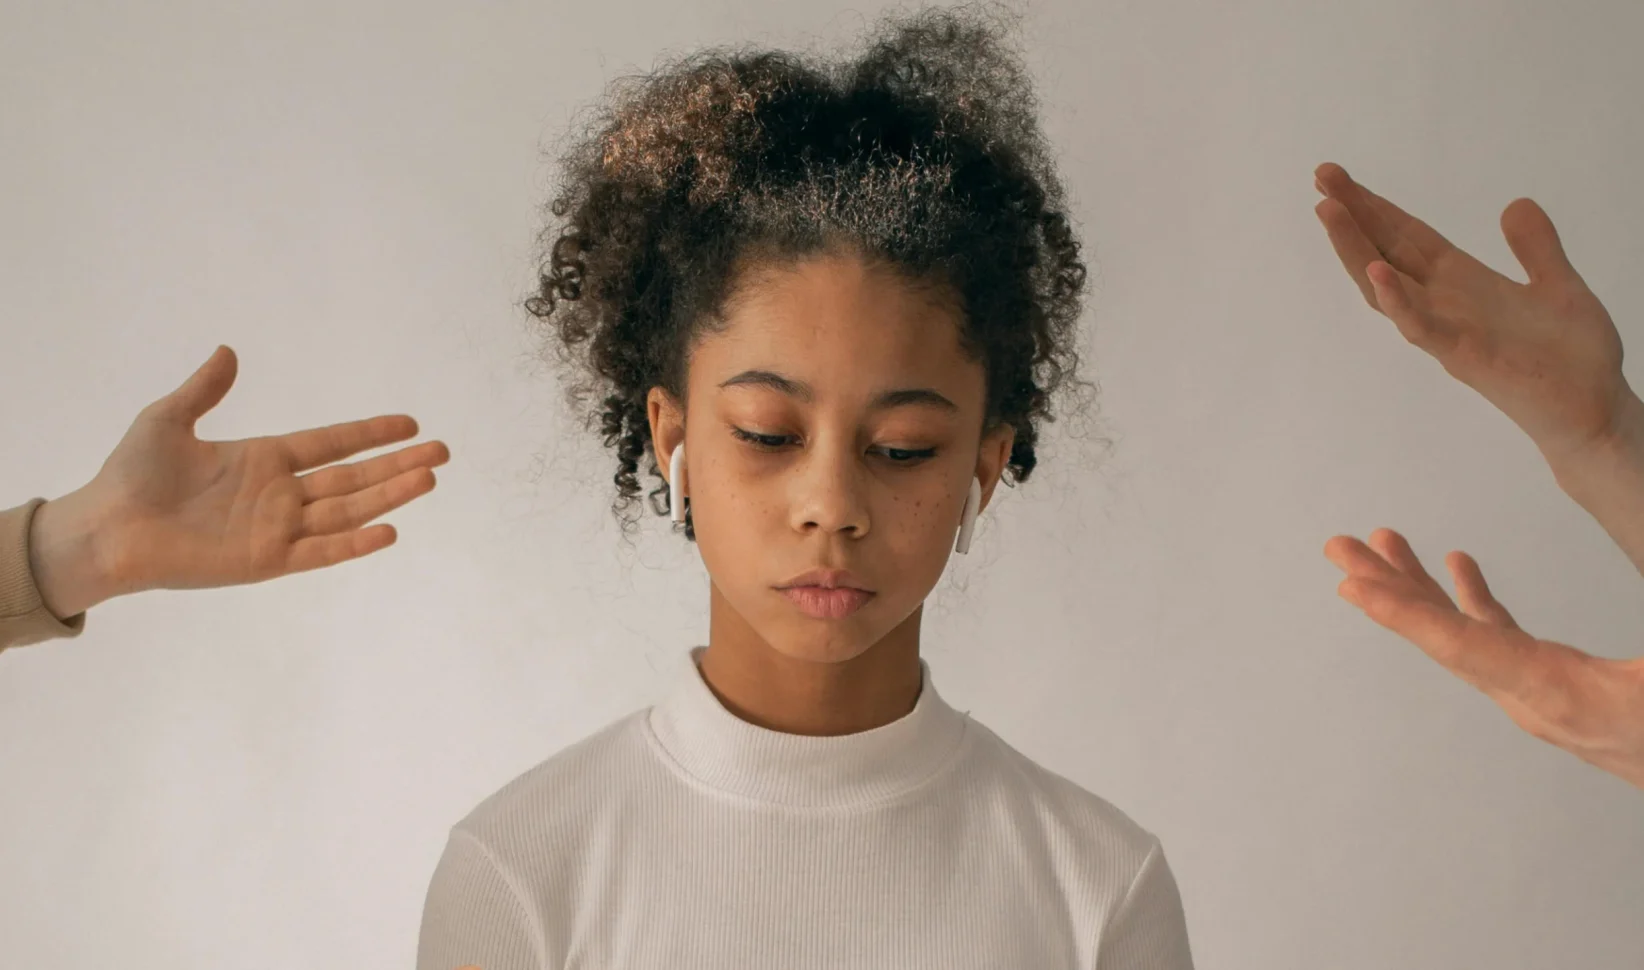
(1585, 704)
(188, 514)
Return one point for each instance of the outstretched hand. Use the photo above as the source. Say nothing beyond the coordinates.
(181, 513)
(1547, 354)
(1592, 707)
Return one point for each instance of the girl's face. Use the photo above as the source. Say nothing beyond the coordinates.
(835, 423)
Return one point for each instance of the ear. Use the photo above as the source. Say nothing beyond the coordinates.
(992, 459)
(667, 421)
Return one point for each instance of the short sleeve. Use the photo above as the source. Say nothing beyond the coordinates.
(474, 915)
(1148, 930)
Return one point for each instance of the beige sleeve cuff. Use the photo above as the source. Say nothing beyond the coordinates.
(24, 618)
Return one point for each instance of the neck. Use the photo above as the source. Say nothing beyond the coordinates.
(813, 695)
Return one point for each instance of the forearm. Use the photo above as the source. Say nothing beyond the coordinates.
(1608, 481)
(65, 557)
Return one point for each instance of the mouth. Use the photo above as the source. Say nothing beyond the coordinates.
(826, 604)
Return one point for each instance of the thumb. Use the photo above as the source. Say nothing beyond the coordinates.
(203, 389)
(1474, 593)
(1534, 241)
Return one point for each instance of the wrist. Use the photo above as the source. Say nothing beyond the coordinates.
(66, 555)
(1622, 445)
(1607, 479)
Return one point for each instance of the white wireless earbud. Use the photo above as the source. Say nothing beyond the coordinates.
(676, 484)
(967, 518)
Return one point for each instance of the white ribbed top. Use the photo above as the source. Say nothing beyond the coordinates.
(682, 837)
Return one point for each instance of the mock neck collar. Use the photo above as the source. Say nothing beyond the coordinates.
(732, 756)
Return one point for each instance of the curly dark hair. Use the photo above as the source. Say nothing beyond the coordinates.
(923, 154)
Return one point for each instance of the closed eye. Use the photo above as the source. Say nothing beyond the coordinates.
(774, 442)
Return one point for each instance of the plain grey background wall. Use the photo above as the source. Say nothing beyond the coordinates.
(347, 193)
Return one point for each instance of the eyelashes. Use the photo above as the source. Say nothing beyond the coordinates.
(774, 442)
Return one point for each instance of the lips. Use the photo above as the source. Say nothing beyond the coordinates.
(826, 604)
(827, 579)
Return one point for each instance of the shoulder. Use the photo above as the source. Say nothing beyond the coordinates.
(547, 803)
(1074, 822)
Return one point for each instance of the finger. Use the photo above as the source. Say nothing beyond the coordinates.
(333, 545)
(343, 479)
(1404, 301)
(203, 389)
(317, 552)
(1394, 548)
(1474, 594)
(1385, 287)
(1496, 660)
(345, 512)
(1359, 560)
(1533, 238)
(314, 447)
(1407, 242)
(1471, 589)
(1352, 246)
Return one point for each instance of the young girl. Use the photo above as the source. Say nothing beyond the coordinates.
(826, 305)
(835, 301)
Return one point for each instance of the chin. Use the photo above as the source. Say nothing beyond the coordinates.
(842, 641)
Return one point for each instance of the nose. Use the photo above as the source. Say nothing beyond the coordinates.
(829, 491)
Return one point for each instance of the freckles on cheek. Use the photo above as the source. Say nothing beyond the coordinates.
(918, 515)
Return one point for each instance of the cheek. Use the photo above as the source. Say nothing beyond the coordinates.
(735, 519)
(915, 524)
(731, 501)
(916, 510)
(740, 537)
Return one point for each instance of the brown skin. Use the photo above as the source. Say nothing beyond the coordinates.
(832, 494)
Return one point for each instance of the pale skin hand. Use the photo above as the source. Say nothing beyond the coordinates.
(175, 512)
(1547, 354)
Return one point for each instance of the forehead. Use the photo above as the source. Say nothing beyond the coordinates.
(836, 315)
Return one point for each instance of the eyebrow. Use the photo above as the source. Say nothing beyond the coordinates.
(799, 389)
